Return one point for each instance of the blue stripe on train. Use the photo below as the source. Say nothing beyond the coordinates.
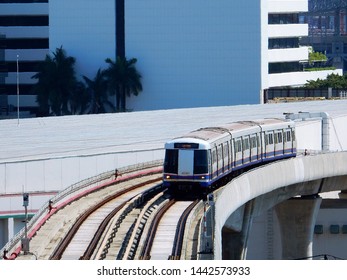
(209, 180)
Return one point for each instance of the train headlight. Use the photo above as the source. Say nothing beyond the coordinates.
(203, 177)
(167, 177)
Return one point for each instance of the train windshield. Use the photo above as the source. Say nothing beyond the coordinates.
(171, 161)
(200, 162)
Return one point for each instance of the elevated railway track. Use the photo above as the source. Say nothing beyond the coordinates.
(129, 217)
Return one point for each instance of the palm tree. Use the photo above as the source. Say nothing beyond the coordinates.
(79, 99)
(124, 80)
(56, 82)
(97, 90)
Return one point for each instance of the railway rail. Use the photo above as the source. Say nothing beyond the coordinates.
(166, 233)
(114, 222)
(82, 238)
(48, 227)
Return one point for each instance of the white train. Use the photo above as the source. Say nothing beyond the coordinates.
(202, 159)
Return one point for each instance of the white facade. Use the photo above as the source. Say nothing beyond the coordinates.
(86, 30)
(195, 53)
(297, 54)
(190, 53)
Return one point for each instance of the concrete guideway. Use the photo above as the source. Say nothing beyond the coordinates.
(267, 186)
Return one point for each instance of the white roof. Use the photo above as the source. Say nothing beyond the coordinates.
(41, 138)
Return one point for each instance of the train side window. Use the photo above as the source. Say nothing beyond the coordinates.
(226, 150)
(279, 137)
(269, 140)
(276, 138)
(253, 142)
(245, 144)
(238, 146)
(214, 156)
(219, 152)
(293, 135)
(288, 136)
(285, 136)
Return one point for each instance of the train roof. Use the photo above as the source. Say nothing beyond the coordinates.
(206, 135)
(202, 143)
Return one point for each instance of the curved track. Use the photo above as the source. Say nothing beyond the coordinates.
(165, 237)
(130, 219)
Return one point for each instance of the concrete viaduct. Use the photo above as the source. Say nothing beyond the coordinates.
(292, 187)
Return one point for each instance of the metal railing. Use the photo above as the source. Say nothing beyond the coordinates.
(73, 189)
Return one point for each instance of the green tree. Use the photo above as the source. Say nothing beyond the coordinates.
(317, 56)
(79, 99)
(332, 81)
(123, 79)
(97, 89)
(56, 82)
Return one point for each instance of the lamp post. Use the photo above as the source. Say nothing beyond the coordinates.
(17, 89)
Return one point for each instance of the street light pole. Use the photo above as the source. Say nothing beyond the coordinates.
(17, 89)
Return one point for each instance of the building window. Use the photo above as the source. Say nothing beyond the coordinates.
(23, 1)
(334, 229)
(318, 229)
(23, 20)
(36, 43)
(285, 67)
(283, 18)
(283, 43)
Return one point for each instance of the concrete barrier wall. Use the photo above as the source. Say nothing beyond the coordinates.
(269, 178)
(309, 135)
(338, 134)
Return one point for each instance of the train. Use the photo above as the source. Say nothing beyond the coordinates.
(206, 158)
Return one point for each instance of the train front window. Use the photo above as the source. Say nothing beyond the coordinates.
(200, 162)
(171, 161)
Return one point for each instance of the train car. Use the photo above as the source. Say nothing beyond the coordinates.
(207, 157)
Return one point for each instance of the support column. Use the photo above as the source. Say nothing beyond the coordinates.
(297, 217)
(235, 243)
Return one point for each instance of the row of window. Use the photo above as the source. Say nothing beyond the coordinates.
(333, 229)
(24, 21)
(279, 137)
(253, 142)
(246, 143)
(24, 66)
(283, 18)
(28, 43)
(285, 67)
(22, 1)
(11, 89)
(283, 43)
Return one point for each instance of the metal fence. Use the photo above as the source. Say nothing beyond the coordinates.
(300, 93)
(73, 189)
